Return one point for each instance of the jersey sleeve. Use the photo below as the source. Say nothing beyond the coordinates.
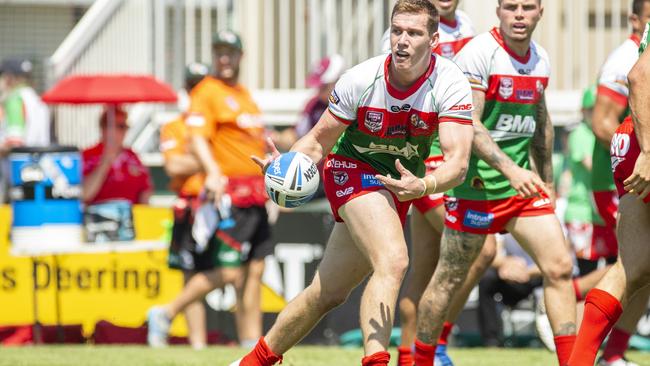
(474, 62)
(342, 100)
(15, 119)
(170, 143)
(613, 80)
(455, 104)
(198, 118)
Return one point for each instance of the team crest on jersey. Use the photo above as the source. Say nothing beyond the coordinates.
(340, 178)
(447, 50)
(506, 87)
(417, 122)
(374, 121)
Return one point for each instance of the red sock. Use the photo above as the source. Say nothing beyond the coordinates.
(616, 345)
(602, 310)
(404, 356)
(261, 355)
(376, 359)
(424, 353)
(563, 347)
(446, 330)
(576, 289)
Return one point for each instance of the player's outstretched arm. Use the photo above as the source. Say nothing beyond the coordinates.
(639, 78)
(525, 182)
(320, 140)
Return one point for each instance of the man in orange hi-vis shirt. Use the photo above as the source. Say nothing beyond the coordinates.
(216, 260)
(225, 131)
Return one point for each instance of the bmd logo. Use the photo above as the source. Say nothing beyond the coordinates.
(518, 124)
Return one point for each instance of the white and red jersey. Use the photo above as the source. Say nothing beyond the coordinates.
(453, 35)
(613, 75)
(386, 123)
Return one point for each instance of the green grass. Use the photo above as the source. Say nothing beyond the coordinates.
(220, 356)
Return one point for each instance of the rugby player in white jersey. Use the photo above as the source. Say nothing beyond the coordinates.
(428, 214)
(509, 74)
(376, 133)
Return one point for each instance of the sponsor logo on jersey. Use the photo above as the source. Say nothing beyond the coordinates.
(518, 124)
(344, 192)
(404, 108)
(447, 50)
(477, 219)
(340, 177)
(450, 218)
(618, 148)
(334, 98)
(340, 164)
(506, 86)
(523, 71)
(369, 180)
(418, 123)
(407, 151)
(451, 204)
(542, 202)
(396, 130)
(461, 107)
(474, 79)
(374, 121)
(525, 94)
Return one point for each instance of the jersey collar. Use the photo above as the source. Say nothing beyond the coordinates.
(496, 33)
(636, 39)
(401, 95)
(451, 24)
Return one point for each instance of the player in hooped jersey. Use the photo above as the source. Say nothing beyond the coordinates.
(428, 216)
(610, 109)
(378, 129)
(630, 152)
(508, 73)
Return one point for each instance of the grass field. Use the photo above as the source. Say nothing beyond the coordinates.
(222, 356)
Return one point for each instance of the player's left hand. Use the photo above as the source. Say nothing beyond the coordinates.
(639, 181)
(407, 188)
(264, 162)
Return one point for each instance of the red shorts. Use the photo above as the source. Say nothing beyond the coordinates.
(603, 243)
(624, 150)
(607, 206)
(489, 217)
(345, 179)
(431, 201)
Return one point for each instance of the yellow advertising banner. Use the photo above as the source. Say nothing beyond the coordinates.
(85, 288)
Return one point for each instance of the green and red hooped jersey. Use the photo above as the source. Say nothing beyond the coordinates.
(385, 124)
(514, 86)
(612, 82)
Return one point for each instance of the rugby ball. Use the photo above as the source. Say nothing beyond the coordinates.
(291, 179)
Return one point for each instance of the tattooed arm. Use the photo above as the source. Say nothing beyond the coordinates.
(541, 146)
(525, 182)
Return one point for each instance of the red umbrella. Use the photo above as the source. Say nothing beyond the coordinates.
(109, 89)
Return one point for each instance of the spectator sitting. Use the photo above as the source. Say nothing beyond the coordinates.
(111, 171)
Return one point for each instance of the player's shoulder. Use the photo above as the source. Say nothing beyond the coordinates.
(447, 67)
(365, 73)
(463, 18)
(481, 43)
(539, 51)
(622, 57)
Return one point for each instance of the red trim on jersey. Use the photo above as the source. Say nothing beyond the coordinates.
(455, 120)
(456, 45)
(617, 97)
(523, 89)
(636, 39)
(448, 23)
(418, 83)
(496, 33)
(346, 122)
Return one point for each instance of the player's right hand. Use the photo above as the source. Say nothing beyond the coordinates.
(527, 183)
(214, 187)
(264, 162)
